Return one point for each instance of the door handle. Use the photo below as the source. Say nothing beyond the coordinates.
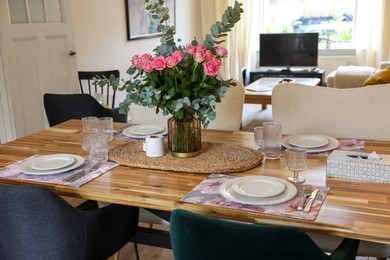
(72, 53)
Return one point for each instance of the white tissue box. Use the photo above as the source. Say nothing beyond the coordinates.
(356, 166)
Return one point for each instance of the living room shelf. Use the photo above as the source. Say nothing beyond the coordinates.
(262, 73)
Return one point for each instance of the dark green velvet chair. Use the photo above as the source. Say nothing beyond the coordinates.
(195, 236)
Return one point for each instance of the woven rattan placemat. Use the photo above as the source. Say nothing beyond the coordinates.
(214, 158)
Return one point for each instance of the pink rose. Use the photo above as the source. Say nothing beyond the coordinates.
(209, 55)
(211, 67)
(177, 55)
(201, 47)
(159, 63)
(148, 66)
(191, 49)
(135, 61)
(146, 56)
(170, 61)
(199, 56)
(221, 51)
(142, 60)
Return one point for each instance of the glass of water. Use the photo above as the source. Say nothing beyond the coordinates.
(272, 132)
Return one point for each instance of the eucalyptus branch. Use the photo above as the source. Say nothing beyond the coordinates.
(218, 30)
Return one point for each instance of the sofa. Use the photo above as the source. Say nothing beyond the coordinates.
(353, 76)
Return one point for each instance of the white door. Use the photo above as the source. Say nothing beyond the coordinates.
(36, 43)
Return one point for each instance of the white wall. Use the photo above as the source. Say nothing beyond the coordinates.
(100, 34)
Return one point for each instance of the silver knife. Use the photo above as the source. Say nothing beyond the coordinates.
(121, 128)
(311, 200)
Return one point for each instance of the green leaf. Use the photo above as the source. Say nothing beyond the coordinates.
(214, 30)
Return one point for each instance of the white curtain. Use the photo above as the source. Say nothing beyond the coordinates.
(239, 40)
(372, 32)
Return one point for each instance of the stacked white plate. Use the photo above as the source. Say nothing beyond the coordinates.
(312, 143)
(51, 164)
(141, 131)
(258, 190)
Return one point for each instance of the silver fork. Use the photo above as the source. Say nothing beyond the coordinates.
(305, 195)
(79, 175)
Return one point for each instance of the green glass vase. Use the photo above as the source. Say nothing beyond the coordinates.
(184, 136)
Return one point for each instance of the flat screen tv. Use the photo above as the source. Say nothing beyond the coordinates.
(289, 50)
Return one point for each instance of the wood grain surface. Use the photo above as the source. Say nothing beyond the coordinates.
(353, 209)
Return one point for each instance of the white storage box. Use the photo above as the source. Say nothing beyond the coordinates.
(357, 166)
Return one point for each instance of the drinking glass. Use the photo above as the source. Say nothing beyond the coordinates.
(86, 137)
(296, 162)
(90, 123)
(272, 132)
(98, 148)
(258, 137)
(106, 127)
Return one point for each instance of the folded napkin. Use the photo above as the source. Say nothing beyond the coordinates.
(13, 172)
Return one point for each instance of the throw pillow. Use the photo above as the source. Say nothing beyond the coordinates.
(380, 77)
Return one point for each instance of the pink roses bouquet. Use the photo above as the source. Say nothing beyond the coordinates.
(180, 80)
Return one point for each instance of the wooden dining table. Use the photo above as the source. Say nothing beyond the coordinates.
(355, 209)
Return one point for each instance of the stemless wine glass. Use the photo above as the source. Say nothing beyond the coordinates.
(258, 137)
(296, 162)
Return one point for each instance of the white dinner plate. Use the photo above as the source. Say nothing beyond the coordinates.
(146, 129)
(333, 144)
(308, 141)
(52, 162)
(25, 167)
(258, 186)
(227, 191)
(128, 133)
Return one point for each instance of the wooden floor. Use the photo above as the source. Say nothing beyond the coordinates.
(145, 252)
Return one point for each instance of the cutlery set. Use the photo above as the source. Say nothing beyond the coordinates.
(82, 173)
(310, 195)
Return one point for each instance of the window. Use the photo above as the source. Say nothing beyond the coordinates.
(35, 11)
(332, 19)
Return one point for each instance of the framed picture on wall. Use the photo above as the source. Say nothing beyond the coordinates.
(140, 23)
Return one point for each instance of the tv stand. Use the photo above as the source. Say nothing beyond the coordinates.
(286, 73)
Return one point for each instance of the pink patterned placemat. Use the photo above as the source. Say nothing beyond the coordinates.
(207, 193)
(12, 172)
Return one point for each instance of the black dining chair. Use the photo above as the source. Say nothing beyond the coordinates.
(62, 107)
(89, 86)
(36, 223)
(194, 236)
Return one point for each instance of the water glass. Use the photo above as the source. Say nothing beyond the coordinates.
(90, 123)
(106, 127)
(272, 134)
(98, 148)
(296, 162)
(258, 137)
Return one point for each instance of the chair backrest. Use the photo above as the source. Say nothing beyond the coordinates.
(87, 84)
(229, 111)
(147, 115)
(194, 236)
(36, 223)
(360, 113)
(62, 107)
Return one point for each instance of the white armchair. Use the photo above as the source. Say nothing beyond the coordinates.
(352, 76)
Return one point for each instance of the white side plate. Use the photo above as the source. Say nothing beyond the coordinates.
(52, 162)
(146, 129)
(308, 141)
(25, 167)
(258, 186)
(333, 144)
(226, 190)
